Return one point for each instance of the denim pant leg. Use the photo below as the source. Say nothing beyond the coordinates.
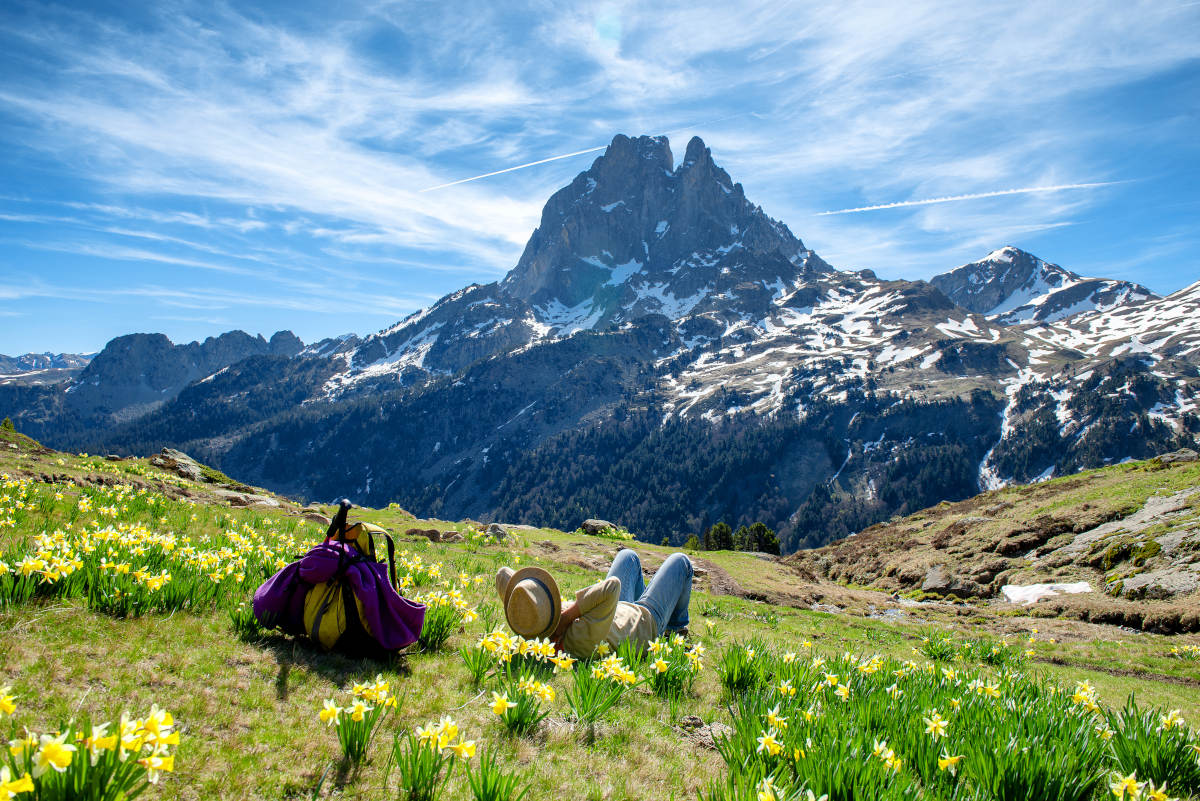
(669, 593)
(627, 567)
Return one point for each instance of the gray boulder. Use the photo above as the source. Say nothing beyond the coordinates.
(1179, 456)
(939, 580)
(1160, 584)
(179, 463)
(595, 526)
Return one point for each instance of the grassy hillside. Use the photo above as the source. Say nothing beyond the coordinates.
(1132, 531)
(81, 638)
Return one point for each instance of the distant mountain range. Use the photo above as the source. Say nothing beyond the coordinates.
(665, 355)
(41, 368)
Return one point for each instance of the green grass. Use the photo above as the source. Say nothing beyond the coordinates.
(247, 711)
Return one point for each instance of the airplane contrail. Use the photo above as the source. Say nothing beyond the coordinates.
(951, 198)
(572, 155)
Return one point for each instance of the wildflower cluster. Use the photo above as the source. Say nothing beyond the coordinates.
(613, 669)
(108, 762)
(519, 704)
(357, 722)
(672, 667)
(854, 726)
(446, 611)
(1185, 651)
(121, 549)
(424, 757)
(536, 656)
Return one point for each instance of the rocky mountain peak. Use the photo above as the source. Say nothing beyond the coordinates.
(635, 235)
(1011, 285)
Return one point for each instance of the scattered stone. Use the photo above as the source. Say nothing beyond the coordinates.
(1175, 457)
(317, 517)
(1160, 584)
(432, 534)
(693, 729)
(112, 457)
(939, 579)
(699, 571)
(243, 499)
(451, 536)
(496, 531)
(548, 545)
(829, 609)
(595, 527)
(179, 463)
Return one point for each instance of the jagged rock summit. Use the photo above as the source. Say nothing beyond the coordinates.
(635, 235)
(1010, 286)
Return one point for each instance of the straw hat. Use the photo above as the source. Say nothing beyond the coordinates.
(532, 604)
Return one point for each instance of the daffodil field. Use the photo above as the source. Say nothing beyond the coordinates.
(123, 596)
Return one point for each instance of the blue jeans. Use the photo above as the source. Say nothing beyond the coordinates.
(669, 593)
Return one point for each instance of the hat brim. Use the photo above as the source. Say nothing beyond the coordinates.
(543, 576)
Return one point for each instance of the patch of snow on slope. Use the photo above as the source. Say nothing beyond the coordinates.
(622, 272)
(566, 320)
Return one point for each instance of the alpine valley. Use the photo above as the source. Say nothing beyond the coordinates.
(665, 355)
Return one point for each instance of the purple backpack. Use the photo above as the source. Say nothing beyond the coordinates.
(340, 597)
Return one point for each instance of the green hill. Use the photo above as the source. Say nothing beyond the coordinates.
(246, 704)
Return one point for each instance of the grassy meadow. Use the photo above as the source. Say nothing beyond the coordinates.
(123, 588)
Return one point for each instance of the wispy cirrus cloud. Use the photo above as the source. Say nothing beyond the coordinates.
(293, 147)
(899, 204)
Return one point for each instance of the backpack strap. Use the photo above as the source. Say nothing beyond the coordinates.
(337, 526)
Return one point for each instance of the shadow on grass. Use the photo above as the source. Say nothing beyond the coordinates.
(338, 668)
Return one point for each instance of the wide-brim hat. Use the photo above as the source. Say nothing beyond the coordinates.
(532, 603)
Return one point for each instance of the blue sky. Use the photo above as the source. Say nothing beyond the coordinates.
(194, 168)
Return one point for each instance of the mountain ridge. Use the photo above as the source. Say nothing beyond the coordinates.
(726, 340)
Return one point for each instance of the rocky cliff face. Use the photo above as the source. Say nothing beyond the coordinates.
(634, 235)
(1012, 286)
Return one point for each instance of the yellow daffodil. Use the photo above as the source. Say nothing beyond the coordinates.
(1126, 786)
(1152, 793)
(1170, 720)
(8, 704)
(329, 714)
(660, 666)
(766, 790)
(156, 764)
(843, 692)
(776, 720)
(99, 742)
(949, 763)
(501, 704)
(768, 743)
(10, 787)
(53, 753)
(935, 725)
(464, 749)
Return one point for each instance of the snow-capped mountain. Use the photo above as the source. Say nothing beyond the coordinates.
(1012, 286)
(33, 369)
(665, 354)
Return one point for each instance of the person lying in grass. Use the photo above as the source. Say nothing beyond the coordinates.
(621, 607)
